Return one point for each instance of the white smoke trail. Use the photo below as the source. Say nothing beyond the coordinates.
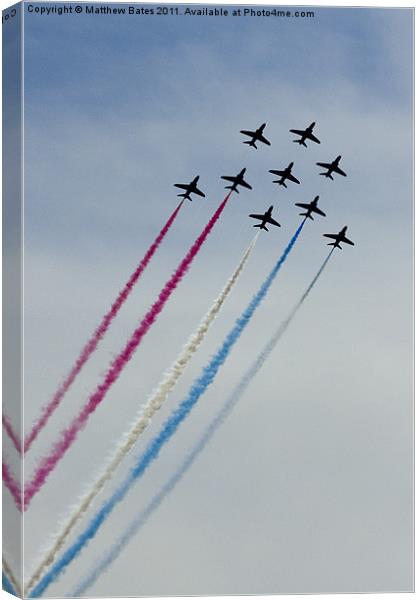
(9, 573)
(112, 553)
(153, 404)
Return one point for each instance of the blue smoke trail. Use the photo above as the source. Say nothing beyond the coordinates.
(7, 586)
(169, 428)
(132, 530)
(154, 504)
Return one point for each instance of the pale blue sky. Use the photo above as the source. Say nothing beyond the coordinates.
(313, 471)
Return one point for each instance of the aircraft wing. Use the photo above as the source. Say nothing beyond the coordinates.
(324, 165)
(332, 236)
(292, 178)
(297, 131)
(319, 211)
(279, 173)
(228, 178)
(303, 205)
(273, 222)
(264, 140)
(347, 241)
(262, 217)
(340, 171)
(182, 186)
(199, 192)
(245, 132)
(311, 136)
(245, 184)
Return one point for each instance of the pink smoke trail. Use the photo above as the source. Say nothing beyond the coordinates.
(92, 343)
(12, 485)
(8, 427)
(68, 435)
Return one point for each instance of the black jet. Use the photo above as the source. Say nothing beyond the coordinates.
(256, 136)
(190, 188)
(286, 174)
(339, 238)
(265, 218)
(236, 180)
(306, 134)
(332, 168)
(311, 207)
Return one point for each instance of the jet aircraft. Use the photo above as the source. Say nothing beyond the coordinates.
(339, 238)
(236, 180)
(190, 188)
(285, 174)
(311, 207)
(265, 218)
(332, 168)
(306, 134)
(256, 136)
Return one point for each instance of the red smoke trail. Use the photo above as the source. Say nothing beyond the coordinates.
(68, 435)
(8, 427)
(92, 343)
(12, 485)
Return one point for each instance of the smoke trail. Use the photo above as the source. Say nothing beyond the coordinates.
(8, 479)
(153, 404)
(12, 485)
(91, 344)
(69, 434)
(7, 585)
(271, 344)
(10, 583)
(169, 428)
(8, 427)
(112, 554)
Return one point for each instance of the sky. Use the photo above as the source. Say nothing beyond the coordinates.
(12, 265)
(308, 486)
